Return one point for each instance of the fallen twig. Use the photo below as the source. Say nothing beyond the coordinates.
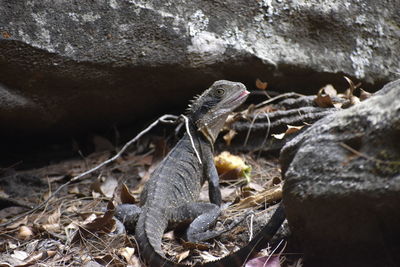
(167, 118)
(276, 98)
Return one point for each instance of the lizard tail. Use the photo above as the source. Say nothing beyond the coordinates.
(148, 235)
(259, 242)
(150, 244)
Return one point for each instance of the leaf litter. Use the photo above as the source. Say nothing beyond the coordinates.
(76, 227)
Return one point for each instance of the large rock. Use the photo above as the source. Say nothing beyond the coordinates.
(342, 187)
(68, 65)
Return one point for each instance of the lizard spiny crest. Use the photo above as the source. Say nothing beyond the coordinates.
(210, 110)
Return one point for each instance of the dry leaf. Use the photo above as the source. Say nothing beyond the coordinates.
(207, 256)
(72, 209)
(323, 101)
(338, 105)
(292, 129)
(96, 195)
(19, 255)
(51, 228)
(265, 261)
(18, 223)
(126, 196)
(351, 88)
(226, 162)
(25, 233)
(267, 109)
(74, 190)
(330, 90)
(104, 224)
(47, 195)
(181, 256)
(229, 136)
(364, 94)
(54, 217)
(267, 196)
(127, 253)
(354, 100)
(226, 191)
(38, 256)
(261, 85)
(108, 186)
(278, 136)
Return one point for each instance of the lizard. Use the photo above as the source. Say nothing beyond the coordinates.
(172, 192)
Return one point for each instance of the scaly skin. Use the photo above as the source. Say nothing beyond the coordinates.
(172, 192)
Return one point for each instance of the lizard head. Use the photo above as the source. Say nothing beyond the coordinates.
(210, 110)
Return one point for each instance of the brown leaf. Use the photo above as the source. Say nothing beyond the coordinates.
(193, 245)
(181, 256)
(51, 228)
(292, 129)
(267, 196)
(127, 253)
(37, 256)
(364, 94)
(350, 91)
(108, 186)
(126, 196)
(104, 224)
(229, 136)
(330, 90)
(54, 217)
(267, 109)
(351, 84)
(261, 85)
(25, 233)
(17, 223)
(354, 100)
(323, 101)
(74, 190)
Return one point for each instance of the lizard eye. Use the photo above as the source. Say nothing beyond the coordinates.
(219, 92)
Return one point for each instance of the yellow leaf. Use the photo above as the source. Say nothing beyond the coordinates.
(226, 162)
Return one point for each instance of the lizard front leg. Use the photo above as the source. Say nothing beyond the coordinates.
(212, 177)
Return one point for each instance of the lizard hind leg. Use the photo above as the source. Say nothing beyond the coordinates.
(202, 217)
(128, 214)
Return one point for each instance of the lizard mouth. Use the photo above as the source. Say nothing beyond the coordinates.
(241, 96)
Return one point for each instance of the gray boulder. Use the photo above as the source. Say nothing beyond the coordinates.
(342, 184)
(78, 65)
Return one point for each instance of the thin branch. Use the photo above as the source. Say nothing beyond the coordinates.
(190, 137)
(273, 251)
(167, 118)
(248, 132)
(276, 98)
(251, 227)
(266, 135)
